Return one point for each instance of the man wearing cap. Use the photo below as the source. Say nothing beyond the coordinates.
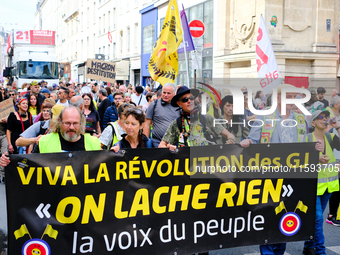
(277, 128)
(138, 98)
(46, 92)
(328, 181)
(188, 129)
(35, 89)
(55, 87)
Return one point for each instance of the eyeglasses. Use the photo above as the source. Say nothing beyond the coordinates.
(68, 124)
(11, 95)
(186, 99)
(87, 99)
(118, 98)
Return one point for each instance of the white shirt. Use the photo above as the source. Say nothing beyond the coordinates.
(136, 99)
(66, 104)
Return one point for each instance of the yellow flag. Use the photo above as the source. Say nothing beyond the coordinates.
(163, 64)
(302, 207)
(279, 208)
(51, 232)
(21, 231)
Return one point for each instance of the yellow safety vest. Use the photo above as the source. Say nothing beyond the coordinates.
(51, 143)
(328, 177)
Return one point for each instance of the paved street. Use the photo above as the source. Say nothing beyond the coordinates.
(332, 235)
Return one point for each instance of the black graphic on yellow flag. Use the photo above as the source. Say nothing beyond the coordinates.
(163, 64)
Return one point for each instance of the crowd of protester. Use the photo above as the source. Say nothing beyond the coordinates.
(118, 117)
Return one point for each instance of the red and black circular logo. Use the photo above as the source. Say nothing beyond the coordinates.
(290, 224)
(36, 247)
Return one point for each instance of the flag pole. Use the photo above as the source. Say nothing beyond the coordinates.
(185, 50)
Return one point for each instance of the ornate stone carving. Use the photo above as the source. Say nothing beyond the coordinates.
(233, 41)
(244, 20)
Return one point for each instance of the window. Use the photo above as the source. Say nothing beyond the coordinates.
(196, 12)
(114, 50)
(108, 20)
(135, 39)
(114, 18)
(104, 50)
(99, 51)
(94, 13)
(88, 16)
(81, 49)
(82, 21)
(161, 22)
(208, 23)
(104, 23)
(100, 25)
(121, 41)
(128, 39)
(148, 38)
(109, 51)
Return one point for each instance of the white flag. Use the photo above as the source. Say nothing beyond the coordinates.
(267, 69)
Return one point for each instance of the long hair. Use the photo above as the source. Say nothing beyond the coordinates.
(91, 107)
(37, 104)
(258, 94)
(139, 116)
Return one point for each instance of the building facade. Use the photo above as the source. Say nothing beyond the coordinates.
(304, 35)
(88, 29)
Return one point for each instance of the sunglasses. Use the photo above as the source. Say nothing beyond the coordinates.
(135, 110)
(320, 117)
(186, 99)
(11, 95)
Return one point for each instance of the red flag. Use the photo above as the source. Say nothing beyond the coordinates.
(9, 43)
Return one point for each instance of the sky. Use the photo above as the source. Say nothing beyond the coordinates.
(20, 13)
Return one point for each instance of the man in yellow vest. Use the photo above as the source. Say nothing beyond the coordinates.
(328, 180)
(67, 134)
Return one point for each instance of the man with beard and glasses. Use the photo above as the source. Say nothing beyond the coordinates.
(67, 134)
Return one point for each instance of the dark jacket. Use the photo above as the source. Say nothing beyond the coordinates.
(111, 114)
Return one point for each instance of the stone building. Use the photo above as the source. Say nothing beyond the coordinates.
(304, 35)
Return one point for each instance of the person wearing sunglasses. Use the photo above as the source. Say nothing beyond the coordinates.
(190, 128)
(134, 137)
(328, 180)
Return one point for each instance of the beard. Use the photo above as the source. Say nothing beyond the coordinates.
(70, 138)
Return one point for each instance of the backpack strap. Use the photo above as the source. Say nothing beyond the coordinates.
(113, 132)
(329, 138)
(310, 137)
(154, 107)
(42, 130)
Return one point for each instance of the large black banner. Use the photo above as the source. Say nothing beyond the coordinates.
(152, 201)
